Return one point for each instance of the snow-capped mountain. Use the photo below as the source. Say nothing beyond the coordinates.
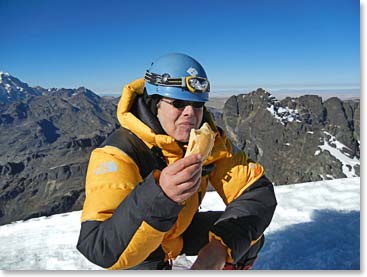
(315, 226)
(12, 89)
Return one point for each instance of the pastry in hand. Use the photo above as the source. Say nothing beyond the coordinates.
(201, 141)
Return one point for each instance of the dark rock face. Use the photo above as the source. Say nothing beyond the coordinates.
(45, 145)
(287, 136)
(217, 116)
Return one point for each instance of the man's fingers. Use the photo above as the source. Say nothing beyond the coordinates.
(182, 178)
(193, 188)
(190, 190)
(188, 173)
(181, 164)
(191, 185)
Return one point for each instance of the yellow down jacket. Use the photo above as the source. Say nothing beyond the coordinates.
(126, 216)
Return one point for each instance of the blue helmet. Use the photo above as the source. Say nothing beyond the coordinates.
(177, 76)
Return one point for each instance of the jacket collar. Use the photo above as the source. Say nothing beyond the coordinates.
(136, 117)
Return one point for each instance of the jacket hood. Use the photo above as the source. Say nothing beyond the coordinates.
(146, 129)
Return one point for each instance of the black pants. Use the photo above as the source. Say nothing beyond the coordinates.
(195, 238)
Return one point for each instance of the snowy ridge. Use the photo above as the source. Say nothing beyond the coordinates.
(280, 113)
(12, 89)
(10, 82)
(335, 148)
(315, 226)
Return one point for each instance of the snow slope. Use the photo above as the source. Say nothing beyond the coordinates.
(316, 226)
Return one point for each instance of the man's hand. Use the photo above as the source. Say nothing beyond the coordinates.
(181, 179)
(211, 256)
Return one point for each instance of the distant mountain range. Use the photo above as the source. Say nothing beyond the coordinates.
(45, 143)
(47, 136)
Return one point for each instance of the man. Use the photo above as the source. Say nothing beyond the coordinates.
(142, 194)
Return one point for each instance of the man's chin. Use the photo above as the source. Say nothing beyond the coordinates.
(183, 134)
(183, 138)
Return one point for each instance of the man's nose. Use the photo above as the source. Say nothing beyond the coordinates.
(189, 110)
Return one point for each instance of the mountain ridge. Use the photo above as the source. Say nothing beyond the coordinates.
(12, 89)
(47, 139)
(285, 135)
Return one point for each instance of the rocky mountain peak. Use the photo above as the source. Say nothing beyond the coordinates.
(12, 89)
(89, 94)
(5, 74)
(292, 139)
(10, 82)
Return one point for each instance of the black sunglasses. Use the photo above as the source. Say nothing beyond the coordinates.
(180, 104)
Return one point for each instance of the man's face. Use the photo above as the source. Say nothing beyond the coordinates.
(177, 122)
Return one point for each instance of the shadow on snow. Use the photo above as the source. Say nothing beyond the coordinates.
(331, 241)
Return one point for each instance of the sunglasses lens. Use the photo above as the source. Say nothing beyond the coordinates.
(198, 104)
(180, 104)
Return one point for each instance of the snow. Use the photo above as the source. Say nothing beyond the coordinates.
(9, 84)
(3, 74)
(347, 162)
(316, 226)
(284, 114)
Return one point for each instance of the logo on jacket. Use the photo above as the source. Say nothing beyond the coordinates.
(106, 167)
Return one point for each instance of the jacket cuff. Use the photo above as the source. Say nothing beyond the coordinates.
(229, 251)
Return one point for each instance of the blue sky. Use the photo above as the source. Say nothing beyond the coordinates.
(242, 44)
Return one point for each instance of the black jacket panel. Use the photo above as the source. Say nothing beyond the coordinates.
(246, 218)
(103, 242)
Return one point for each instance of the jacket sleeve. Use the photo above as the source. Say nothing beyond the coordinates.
(124, 218)
(250, 201)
